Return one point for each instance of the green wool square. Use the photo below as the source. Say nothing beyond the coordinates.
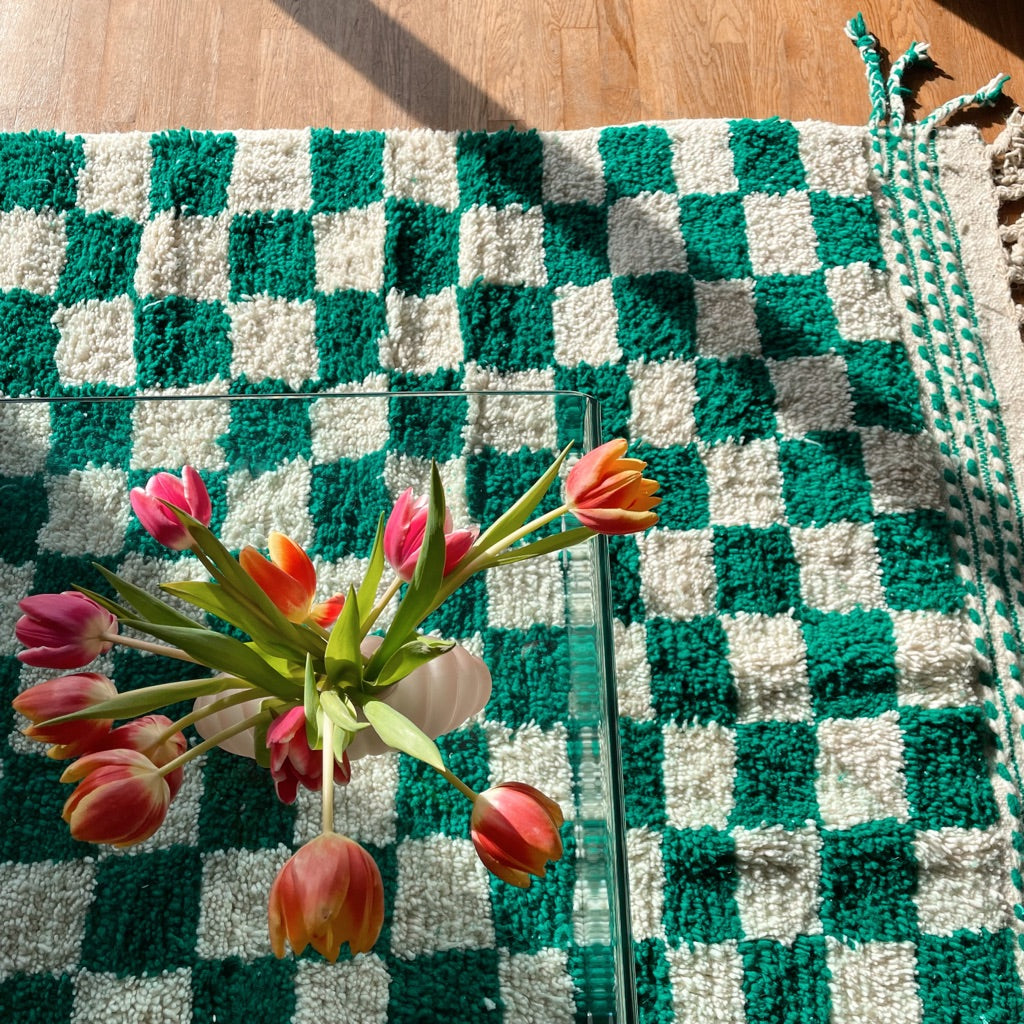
(349, 326)
(756, 569)
(425, 804)
(495, 479)
(507, 327)
(89, 432)
(627, 599)
(272, 254)
(917, 566)
(969, 976)
(847, 229)
(262, 438)
(451, 987)
(715, 231)
(701, 878)
(653, 981)
(500, 168)
(766, 155)
(868, 881)
(851, 663)
(37, 998)
(690, 677)
(27, 344)
(56, 572)
(25, 512)
(421, 430)
(181, 341)
(144, 912)
(735, 400)
(235, 991)
(530, 673)
(657, 316)
(774, 782)
(644, 786)
(421, 248)
(637, 158)
(684, 485)
(347, 169)
(609, 380)
(884, 389)
(575, 243)
(240, 808)
(346, 498)
(794, 315)
(786, 982)
(946, 762)
(191, 172)
(39, 170)
(464, 613)
(824, 479)
(100, 257)
(443, 378)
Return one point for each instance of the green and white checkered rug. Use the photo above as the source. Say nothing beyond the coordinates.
(805, 330)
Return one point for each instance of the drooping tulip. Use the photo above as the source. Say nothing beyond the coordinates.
(66, 630)
(293, 761)
(148, 735)
(405, 530)
(609, 493)
(64, 696)
(187, 493)
(328, 893)
(514, 828)
(288, 578)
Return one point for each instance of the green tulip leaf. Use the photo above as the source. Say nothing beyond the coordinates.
(144, 603)
(311, 704)
(544, 546)
(339, 711)
(367, 592)
(401, 733)
(343, 661)
(410, 656)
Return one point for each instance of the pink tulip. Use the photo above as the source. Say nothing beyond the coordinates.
(148, 735)
(405, 530)
(64, 696)
(328, 893)
(187, 493)
(121, 797)
(65, 630)
(292, 760)
(609, 494)
(514, 828)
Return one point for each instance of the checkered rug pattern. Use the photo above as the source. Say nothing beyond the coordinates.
(819, 749)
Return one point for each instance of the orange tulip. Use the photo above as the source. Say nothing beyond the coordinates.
(64, 696)
(328, 893)
(609, 494)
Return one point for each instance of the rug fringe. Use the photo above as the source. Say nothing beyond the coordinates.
(1007, 156)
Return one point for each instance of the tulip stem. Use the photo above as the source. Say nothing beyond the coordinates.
(164, 650)
(195, 715)
(465, 790)
(367, 624)
(213, 741)
(327, 780)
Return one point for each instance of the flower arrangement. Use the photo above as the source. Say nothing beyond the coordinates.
(313, 688)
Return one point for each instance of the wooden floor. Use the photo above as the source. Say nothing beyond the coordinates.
(105, 65)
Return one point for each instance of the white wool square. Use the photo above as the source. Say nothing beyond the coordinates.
(25, 428)
(275, 500)
(32, 250)
(780, 233)
(699, 766)
(834, 158)
(644, 235)
(662, 398)
(531, 592)
(97, 342)
(115, 176)
(707, 983)
(89, 512)
(186, 256)
(106, 997)
(537, 988)
(726, 319)
(349, 248)
(903, 470)
(646, 883)
(356, 991)
(443, 899)
(586, 324)
(744, 484)
(573, 167)
(860, 770)
(233, 910)
(839, 566)
(424, 332)
(271, 171)
(777, 895)
(811, 393)
(499, 418)
(539, 757)
(701, 157)
(870, 975)
(422, 165)
(50, 929)
(502, 246)
(632, 670)
(677, 573)
(274, 339)
(768, 661)
(936, 659)
(861, 303)
(346, 427)
(171, 434)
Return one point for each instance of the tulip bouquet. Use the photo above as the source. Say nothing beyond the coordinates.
(306, 688)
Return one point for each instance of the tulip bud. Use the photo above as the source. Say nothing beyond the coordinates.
(64, 696)
(609, 494)
(292, 760)
(187, 493)
(405, 531)
(65, 630)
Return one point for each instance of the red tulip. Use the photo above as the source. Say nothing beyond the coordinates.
(65, 630)
(609, 494)
(405, 530)
(292, 760)
(328, 893)
(187, 493)
(514, 828)
(121, 797)
(148, 736)
(64, 696)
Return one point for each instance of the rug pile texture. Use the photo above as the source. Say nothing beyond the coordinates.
(806, 331)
